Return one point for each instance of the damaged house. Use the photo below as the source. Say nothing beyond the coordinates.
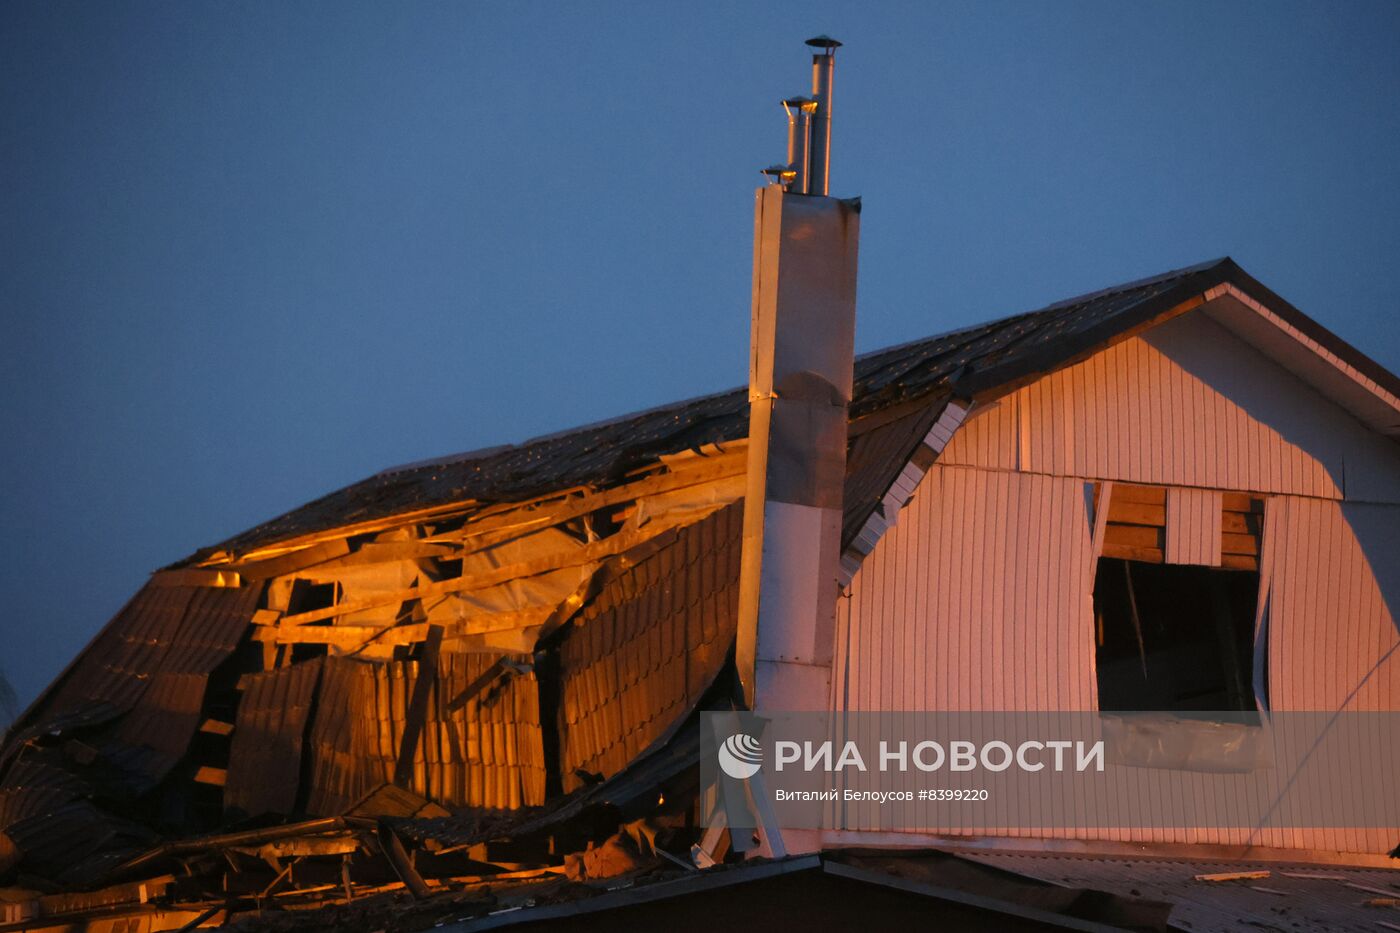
(467, 690)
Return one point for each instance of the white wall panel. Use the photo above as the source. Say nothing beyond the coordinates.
(1193, 526)
(1334, 598)
(977, 599)
(980, 599)
(1186, 404)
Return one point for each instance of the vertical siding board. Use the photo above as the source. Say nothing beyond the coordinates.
(1002, 640)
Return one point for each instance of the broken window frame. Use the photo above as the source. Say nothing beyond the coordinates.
(1130, 525)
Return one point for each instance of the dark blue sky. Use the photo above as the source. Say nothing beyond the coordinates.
(250, 252)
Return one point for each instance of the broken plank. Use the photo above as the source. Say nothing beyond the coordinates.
(1233, 876)
(215, 727)
(417, 711)
(350, 637)
(291, 562)
(393, 850)
(499, 527)
(298, 847)
(342, 636)
(545, 563)
(374, 552)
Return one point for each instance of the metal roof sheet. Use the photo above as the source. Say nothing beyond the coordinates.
(486, 753)
(264, 762)
(162, 630)
(636, 661)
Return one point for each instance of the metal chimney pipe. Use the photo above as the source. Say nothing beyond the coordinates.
(799, 114)
(823, 73)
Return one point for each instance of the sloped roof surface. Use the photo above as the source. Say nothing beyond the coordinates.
(965, 362)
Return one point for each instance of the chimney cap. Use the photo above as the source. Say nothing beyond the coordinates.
(782, 173)
(823, 42)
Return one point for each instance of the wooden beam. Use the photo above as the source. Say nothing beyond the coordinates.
(374, 552)
(504, 527)
(417, 710)
(550, 561)
(344, 637)
(294, 561)
(353, 637)
(398, 860)
(479, 684)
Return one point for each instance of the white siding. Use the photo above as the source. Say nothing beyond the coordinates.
(1186, 404)
(960, 606)
(1332, 641)
(980, 597)
(1193, 526)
